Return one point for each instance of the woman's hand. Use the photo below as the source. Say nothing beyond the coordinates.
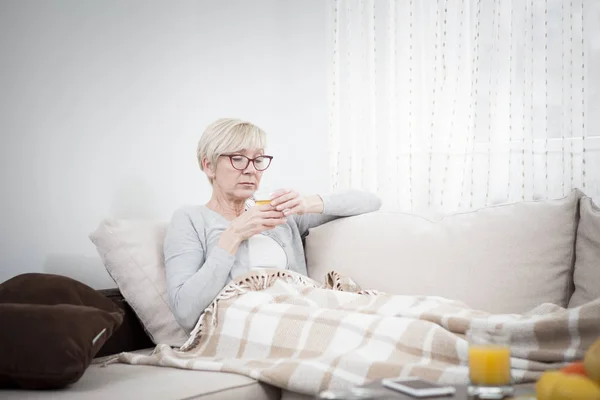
(290, 202)
(254, 221)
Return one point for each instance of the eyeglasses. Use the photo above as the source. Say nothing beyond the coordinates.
(241, 162)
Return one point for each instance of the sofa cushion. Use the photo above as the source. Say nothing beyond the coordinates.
(123, 381)
(50, 346)
(287, 395)
(503, 259)
(587, 249)
(132, 252)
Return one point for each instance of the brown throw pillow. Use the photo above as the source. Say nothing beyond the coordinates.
(52, 327)
(38, 288)
(50, 346)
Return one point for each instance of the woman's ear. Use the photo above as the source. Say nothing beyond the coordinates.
(208, 168)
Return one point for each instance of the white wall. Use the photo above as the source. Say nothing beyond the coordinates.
(102, 104)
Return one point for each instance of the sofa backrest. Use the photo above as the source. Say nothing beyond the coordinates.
(504, 259)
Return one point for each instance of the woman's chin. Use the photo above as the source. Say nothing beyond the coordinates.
(246, 191)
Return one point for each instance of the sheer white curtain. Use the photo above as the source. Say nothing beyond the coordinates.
(454, 104)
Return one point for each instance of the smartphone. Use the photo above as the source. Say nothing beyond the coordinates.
(418, 387)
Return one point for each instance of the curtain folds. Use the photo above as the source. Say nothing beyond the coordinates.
(451, 105)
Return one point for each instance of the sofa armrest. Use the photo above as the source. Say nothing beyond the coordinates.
(130, 336)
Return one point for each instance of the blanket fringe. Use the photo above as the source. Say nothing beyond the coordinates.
(104, 362)
(113, 360)
(336, 281)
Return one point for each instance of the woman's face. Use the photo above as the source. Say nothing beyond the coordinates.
(236, 183)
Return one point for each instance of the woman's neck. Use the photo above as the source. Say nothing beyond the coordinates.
(228, 208)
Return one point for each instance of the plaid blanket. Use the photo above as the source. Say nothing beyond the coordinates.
(289, 331)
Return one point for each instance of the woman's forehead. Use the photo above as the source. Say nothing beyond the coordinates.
(250, 152)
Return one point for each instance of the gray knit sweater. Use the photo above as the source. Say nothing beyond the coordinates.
(197, 269)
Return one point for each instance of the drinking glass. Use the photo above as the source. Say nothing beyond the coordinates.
(262, 198)
(489, 363)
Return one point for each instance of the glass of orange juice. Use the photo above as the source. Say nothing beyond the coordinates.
(262, 198)
(489, 363)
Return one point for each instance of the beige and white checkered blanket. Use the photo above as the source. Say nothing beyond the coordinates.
(287, 330)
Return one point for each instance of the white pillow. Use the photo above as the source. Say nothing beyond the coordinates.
(132, 252)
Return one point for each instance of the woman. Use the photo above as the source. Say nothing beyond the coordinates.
(207, 246)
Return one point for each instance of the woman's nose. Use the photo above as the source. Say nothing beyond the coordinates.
(250, 168)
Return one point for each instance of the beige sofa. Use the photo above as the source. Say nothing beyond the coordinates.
(504, 259)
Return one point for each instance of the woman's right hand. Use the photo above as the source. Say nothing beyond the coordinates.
(254, 221)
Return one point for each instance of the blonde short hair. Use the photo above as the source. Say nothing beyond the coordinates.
(228, 135)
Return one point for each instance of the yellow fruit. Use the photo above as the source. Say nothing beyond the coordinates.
(545, 385)
(555, 385)
(592, 362)
(575, 387)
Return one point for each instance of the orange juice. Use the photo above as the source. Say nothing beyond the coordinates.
(262, 198)
(489, 364)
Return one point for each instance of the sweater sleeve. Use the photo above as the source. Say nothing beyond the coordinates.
(194, 278)
(336, 205)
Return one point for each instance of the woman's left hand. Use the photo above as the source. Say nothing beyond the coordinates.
(291, 202)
